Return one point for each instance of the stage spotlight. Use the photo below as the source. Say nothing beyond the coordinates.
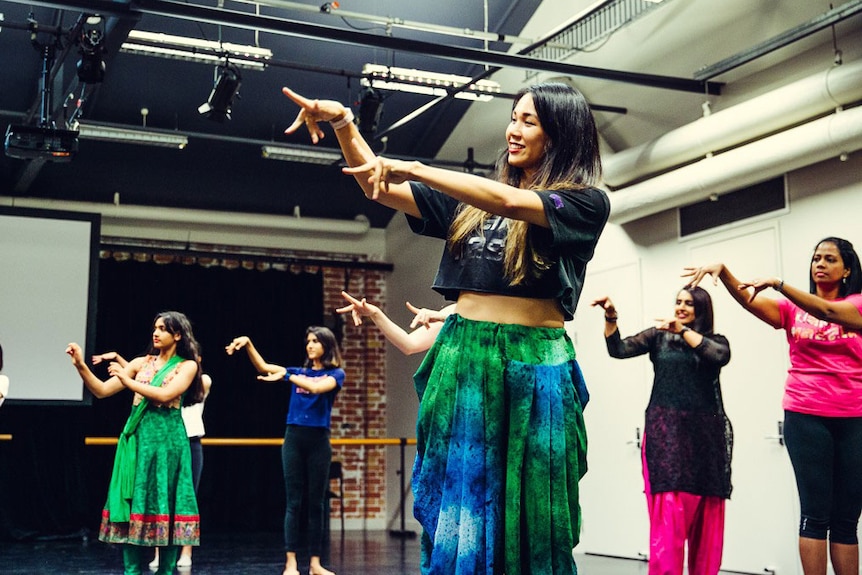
(218, 105)
(91, 66)
(370, 111)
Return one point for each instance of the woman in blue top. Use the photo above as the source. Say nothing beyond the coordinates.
(306, 453)
(501, 442)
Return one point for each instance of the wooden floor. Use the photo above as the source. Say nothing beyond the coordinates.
(357, 553)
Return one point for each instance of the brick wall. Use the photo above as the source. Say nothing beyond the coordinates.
(360, 410)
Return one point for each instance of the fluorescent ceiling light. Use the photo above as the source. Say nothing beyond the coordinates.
(132, 136)
(429, 83)
(194, 49)
(302, 154)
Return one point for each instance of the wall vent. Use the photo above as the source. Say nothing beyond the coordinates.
(755, 200)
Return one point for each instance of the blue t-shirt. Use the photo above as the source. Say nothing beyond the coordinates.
(576, 218)
(312, 409)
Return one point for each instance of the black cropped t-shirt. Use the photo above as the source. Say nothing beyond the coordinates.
(576, 217)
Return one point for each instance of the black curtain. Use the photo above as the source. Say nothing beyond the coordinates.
(52, 485)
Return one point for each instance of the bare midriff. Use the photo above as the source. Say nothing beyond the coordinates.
(507, 309)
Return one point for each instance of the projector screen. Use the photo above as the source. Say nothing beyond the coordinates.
(48, 277)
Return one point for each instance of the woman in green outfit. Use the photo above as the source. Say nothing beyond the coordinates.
(151, 500)
(500, 438)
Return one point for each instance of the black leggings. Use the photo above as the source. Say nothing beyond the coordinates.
(826, 453)
(305, 458)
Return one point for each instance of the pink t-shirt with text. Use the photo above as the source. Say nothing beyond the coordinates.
(825, 375)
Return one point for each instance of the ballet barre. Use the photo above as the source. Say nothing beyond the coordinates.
(259, 441)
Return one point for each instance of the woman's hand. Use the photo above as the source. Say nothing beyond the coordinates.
(107, 356)
(357, 308)
(313, 112)
(606, 304)
(117, 370)
(759, 285)
(273, 376)
(425, 316)
(382, 171)
(73, 350)
(237, 344)
(697, 274)
(671, 325)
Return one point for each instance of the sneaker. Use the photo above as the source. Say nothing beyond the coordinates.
(184, 561)
(154, 564)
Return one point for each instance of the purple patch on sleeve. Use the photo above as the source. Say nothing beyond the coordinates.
(558, 201)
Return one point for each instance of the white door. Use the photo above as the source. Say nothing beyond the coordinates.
(763, 512)
(612, 500)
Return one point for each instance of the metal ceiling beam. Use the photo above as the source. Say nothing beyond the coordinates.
(786, 38)
(231, 18)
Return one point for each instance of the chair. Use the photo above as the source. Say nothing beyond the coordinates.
(335, 472)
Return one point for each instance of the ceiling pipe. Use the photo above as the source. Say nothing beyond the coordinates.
(755, 118)
(829, 137)
(118, 215)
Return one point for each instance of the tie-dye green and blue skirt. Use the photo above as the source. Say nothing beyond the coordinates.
(501, 446)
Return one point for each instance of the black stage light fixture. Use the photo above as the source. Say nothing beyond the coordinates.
(370, 111)
(218, 105)
(91, 42)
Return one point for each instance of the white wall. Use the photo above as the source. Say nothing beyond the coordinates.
(824, 200)
(415, 260)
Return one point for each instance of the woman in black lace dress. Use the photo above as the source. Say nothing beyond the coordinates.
(688, 439)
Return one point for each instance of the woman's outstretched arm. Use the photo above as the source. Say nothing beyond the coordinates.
(268, 371)
(765, 309)
(96, 386)
(427, 323)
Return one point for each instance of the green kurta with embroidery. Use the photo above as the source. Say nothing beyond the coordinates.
(151, 498)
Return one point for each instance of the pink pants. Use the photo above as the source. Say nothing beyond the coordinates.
(677, 516)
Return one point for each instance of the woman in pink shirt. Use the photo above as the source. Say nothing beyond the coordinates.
(822, 397)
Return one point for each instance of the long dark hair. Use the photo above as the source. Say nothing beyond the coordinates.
(703, 320)
(331, 352)
(852, 283)
(571, 160)
(176, 323)
(1, 357)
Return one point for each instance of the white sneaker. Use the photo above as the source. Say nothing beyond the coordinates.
(185, 561)
(154, 564)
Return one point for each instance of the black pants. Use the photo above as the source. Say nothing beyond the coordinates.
(305, 458)
(197, 460)
(826, 453)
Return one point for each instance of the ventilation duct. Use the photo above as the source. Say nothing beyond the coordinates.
(119, 215)
(828, 137)
(765, 114)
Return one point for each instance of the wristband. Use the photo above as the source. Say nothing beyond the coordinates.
(346, 119)
(780, 285)
(610, 319)
(684, 329)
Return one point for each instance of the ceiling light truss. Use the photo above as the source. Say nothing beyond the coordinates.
(428, 83)
(270, 24)
(301, 154)
(167, 139)
(195, 49)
